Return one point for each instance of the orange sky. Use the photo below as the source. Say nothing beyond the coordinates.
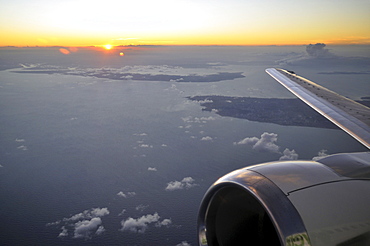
(177, 22)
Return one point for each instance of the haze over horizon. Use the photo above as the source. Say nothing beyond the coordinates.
(163, 22)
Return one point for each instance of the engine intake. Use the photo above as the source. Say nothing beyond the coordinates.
(246, 208)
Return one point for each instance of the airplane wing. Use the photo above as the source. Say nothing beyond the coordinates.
(350, 116)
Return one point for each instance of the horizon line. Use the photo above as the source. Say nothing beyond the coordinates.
(170, 45)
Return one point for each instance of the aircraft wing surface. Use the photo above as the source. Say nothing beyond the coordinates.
(350, 116)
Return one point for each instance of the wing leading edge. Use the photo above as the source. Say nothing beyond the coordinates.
(350, 116)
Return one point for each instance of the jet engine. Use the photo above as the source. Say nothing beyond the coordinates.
(324, 202)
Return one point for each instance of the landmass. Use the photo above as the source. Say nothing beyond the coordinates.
(116, 75)
(286, 112)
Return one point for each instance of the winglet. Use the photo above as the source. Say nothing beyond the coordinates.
(350, 116)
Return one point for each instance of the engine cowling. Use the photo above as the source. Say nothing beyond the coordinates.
(290, 203)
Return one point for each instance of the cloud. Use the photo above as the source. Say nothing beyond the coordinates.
(185, 183)
(88, 214)
(264, 144)
(22, 147)
(122, 213)
(83, 229)
(141, 207)
(208, 138)
(20, 140)
(318, 50)
(289, 155)
(322, 153)
(145, 146)
(183, 243)
(249, 141)
(99, 212)
(128, 194)
(165, 222)
(100, 230)
(64, 232)
(153, 169)
(84, 224)
(191, 119)
(140, 225)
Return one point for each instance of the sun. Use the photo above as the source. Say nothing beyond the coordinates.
(108, 46)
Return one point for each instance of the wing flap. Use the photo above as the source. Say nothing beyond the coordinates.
(350, 116)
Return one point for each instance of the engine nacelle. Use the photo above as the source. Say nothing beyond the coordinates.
(290, 203)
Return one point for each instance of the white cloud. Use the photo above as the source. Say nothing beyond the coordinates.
(205, 101)
(20, 140)
(83, 229)
(165, 222)
(140, 225)
(145, 146)
(183, 243)
(153, 169)
(265, 144)
(185, 183)
(99, 212)
(322, 153)
(252, 140)
(128, 194)
(289, 155)
(208, 138)
(100, 230)
(22, 147)
(191, 119)
(88, 214)
(174, 185)
(122, 213)
(141, 207)
(85, 223)
(64, 232)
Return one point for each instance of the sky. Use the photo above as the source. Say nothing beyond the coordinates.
(180, 22)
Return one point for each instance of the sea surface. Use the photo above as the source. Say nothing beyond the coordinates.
(86, 160)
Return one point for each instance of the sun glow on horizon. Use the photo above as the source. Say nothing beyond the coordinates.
(183, 22)
(108, 46)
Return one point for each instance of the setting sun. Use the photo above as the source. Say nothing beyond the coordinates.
(108, 46)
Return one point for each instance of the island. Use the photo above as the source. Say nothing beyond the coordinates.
(286, 112)
(116, 74)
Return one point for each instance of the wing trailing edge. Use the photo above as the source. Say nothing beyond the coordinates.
(350, 116)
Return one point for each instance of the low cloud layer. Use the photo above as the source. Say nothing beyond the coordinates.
(207, 138)
(140, 225)
(126, 195)
(322, 153)
(185, 183)
(84, 224)
(289, 155)
(84, 228)
(267, 142)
